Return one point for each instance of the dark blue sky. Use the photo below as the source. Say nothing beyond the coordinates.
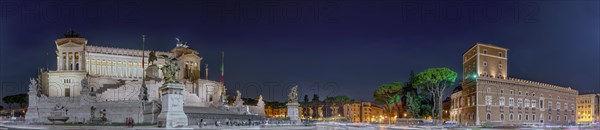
(327, 47)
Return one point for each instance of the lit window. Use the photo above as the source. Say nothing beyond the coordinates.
(488, 100)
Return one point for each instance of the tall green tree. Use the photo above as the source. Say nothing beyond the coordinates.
(21, 99)
(436, 81)
(306, 98)
(417, 105)
(315, 98)
(8, 100)
(389, 95)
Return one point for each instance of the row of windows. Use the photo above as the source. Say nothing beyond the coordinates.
(584, 106)
(489, 90)
(499, 65)
(526, 103)
(520, 117)
(66, 80)
(499, 53)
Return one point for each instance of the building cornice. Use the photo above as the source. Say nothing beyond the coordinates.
(528, 83)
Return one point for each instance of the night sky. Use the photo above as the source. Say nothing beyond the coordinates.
(329, 48)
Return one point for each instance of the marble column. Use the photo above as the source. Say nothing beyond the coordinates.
(68, 62)
(59, 61)
(73, 61)
(127, 69)
(80, 65)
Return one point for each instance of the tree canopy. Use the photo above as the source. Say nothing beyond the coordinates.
(436, 81)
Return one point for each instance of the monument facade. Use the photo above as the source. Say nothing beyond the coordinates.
(111, 84)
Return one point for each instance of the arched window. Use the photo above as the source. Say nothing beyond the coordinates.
(501, 116)
(488, 116)
(511, 117)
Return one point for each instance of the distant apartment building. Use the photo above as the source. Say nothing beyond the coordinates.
(588, 108)
(488, 95)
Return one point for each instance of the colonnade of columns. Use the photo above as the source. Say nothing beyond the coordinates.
(120, 68)
(70, 61)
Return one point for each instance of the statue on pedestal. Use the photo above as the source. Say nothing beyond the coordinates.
(172, 115)
(292, 105)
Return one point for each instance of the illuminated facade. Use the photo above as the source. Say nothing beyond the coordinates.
(89, 79)
(587, 108)
(489, 96)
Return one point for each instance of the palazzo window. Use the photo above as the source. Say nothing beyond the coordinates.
(488, 100)
(501, 101)
(67, 92)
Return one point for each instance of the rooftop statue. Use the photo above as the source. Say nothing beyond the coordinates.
(71, 34)
(293, 96)
(152, 57)
(170, 70)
